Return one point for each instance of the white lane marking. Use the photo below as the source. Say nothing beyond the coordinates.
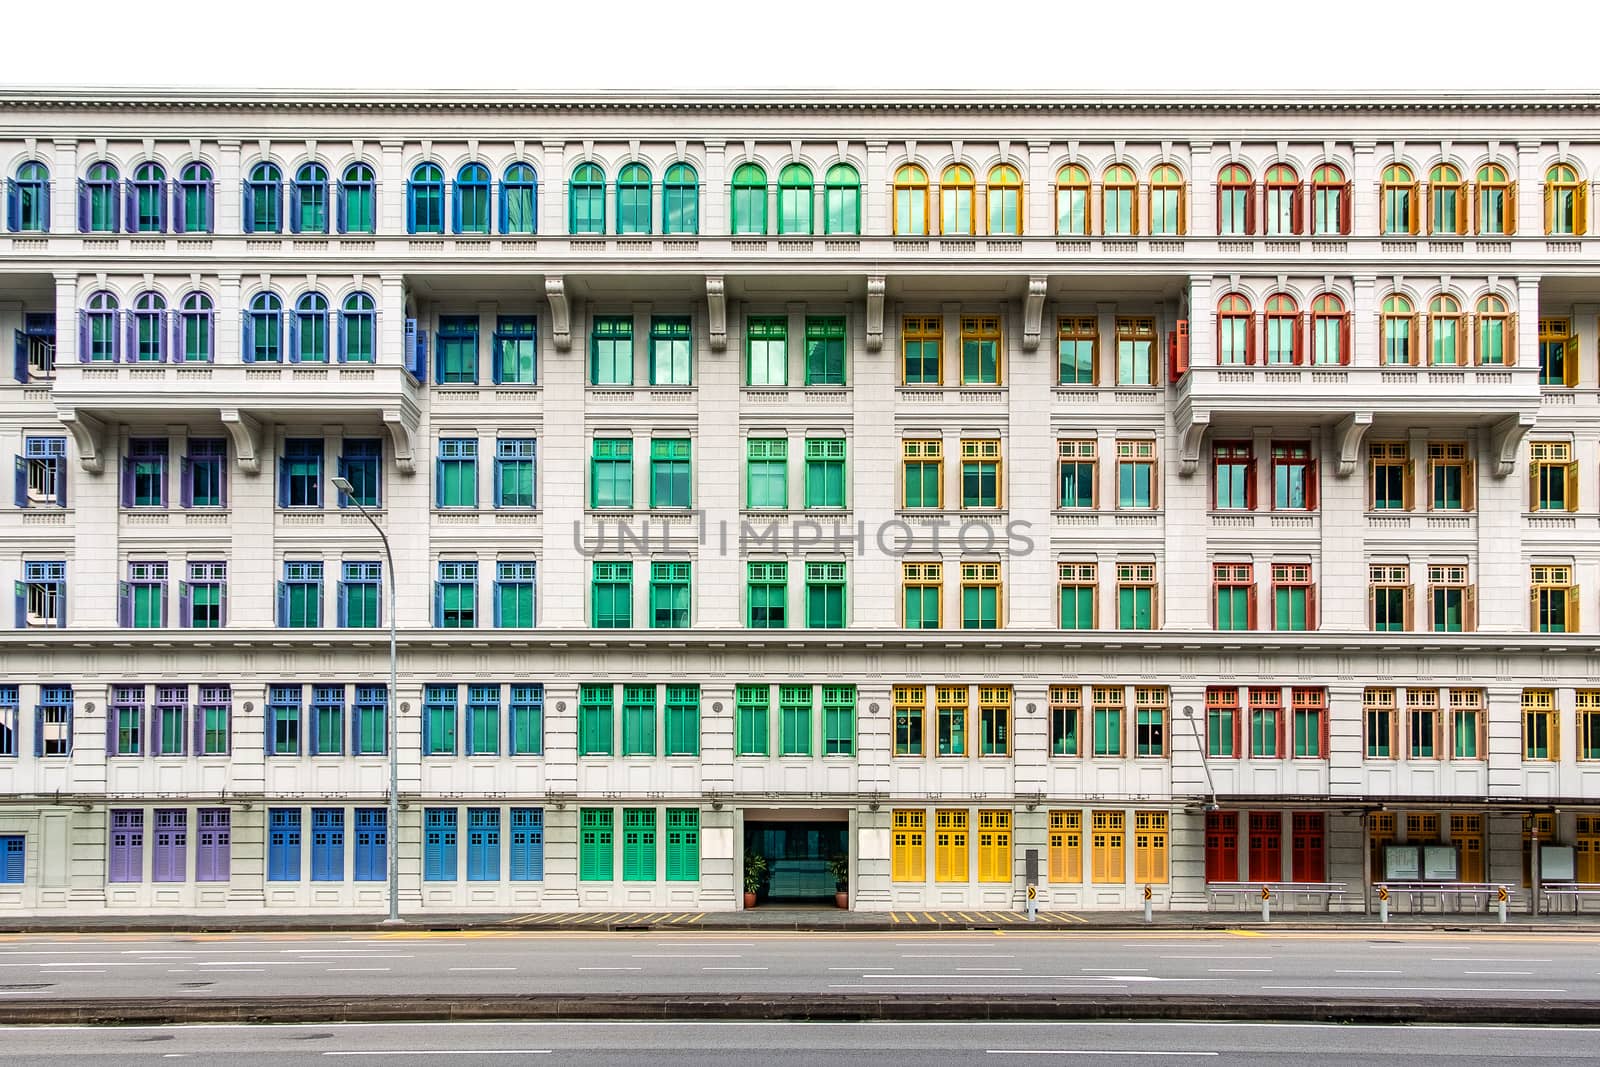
(483, 968)
(858, 967)
(1515, 974)
(337, 970)
(1337, 971)
(237, 970)
(1484, 959)
(84, 971)
(1086, 1052)
(98, 963)
(957, 956)
(255, 963)
(619, 968)
(1238, 970)
(452, 1052)
(685, 956)
(1216, 957)
(1421, 988)
(980, 971)
(706, 944)
(1115, 970)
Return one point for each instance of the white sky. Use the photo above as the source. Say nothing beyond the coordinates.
(1066, 45)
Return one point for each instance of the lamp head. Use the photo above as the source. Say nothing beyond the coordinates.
(344, 486)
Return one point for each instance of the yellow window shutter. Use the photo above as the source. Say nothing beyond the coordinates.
(1580, 209)
(1183, 209)
(1511, 209)
(1461, 209)
(1415, 214)
(1569, 360)
(1533, 486)
(1572, 610)
(1409, 618)
(1572, 486)
(1407, 491)
(1417, 344)
(1533, 610)
(1509, 341)
(1469, 609)
(1469, 486)
(1549, 208)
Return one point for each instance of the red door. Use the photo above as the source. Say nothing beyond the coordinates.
(1222, 846)
(1266, 846)
(1307, 862)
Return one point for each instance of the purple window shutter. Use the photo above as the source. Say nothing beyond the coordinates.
(180, 211)
(222, 480)
(163, 605)
(130, 203)
(186, 481)
(130, 331)
(222, 606)
(19, 355)
(111, 730)
(83, 337)
(154, 731)
(127, 482)
(209, 194)
(83, 206)
(124, 605)
(199, 714)
(61, 481)
(22, 483)
(185, 605)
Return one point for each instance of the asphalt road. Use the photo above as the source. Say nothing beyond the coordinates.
(1239, 963)
(784, 1044)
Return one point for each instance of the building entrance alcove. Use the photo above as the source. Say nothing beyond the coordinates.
(797, 845)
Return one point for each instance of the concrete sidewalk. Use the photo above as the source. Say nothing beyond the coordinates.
(812, 919)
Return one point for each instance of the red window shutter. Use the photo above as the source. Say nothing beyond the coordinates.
(1344, 209)
(1250, 483)
(1238, 715)
(1182, 332)
(1300, 326)
(1297, 213)
(1322, 731)
(1311, 606)
(1311, 486)
(1250, 339)
(1280, 716)
(1345, 327)
(1221, 189)
(1250, 609)
(1250, 209)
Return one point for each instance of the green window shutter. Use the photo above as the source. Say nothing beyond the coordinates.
(838, 720)
(825, 345)
(767, 472)
(683, 845)
(638, 844)
(825, 589)
(639, 720)
(794, 703)
(594, 720)
(596, 856)
(825, 472)
(750, 724)
(682, 720)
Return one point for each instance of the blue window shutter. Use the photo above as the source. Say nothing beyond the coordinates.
(343, 499)
(494, 357)
(22, 483)
(283, 604)
(455, 207)
(249, 213)
(339, 208)
(124, 605)
(83, 336)
(497, 605)
(61, 605)
(38, 727)
(83, 206)
(433, 855)
(411, 207)
(60, 464)
(497, 479)
(344, 605)
(283, 481)
(438, 604)
(19, 368)
(247, 353)
(340, 350)
(294, 207)
(13, 206)
(111, 731)
(44, 206)
(127, 482)
(505, 215)
(11, 861)
(294, 336)
(22, 605)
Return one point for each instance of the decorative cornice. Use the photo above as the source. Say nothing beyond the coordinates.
(822, 100)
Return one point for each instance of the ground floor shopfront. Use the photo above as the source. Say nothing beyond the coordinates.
(491, 855)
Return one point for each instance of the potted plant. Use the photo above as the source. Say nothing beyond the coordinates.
(839, 867)
(755, 869)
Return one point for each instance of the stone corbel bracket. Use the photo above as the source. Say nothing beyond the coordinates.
(717, 312)
(1033, 312)
(876, 286)
(1347, 437)
(402, 424)
(1505, 441)
(1189, 443)
(555, 291)
(89, 435)
(245, 430)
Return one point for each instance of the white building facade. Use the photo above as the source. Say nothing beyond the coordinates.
(1170, 491)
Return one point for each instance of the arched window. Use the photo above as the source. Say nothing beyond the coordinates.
(425, 199)
(1236, 335)
(1330, 330)
(749, 199)
(263, 199)
(794, 199)
(956, 189)
(1444, 332)
(358, 329)
(1166, 201)
(1566, 201)
(28, 199)
(263, 329)
(842, 200)
(1447, 200)
(1236, 202)
(147, 199)
(680, 200)
(1282, 329)
(519, 200)
(1399, 196)
(308, 332)
(195, 329)
(1283, 213)
(586, 209)
(1399, 330)
(1494, 207)
(1330, 201)
(633, 199)
(358, 200)
(97, 200)
(469, 209)
(1072, 201)
(1119, 202)
(146, 340)
(1495, 330)
(97, 337)
(308, 199)
(1004, 195)
(911, 200)
(193, 200)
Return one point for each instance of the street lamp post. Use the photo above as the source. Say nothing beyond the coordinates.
(391, 711)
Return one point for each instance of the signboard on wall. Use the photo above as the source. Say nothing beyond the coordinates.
(1402, 863)
(1440, 863)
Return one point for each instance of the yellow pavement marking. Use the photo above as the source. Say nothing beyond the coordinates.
(1248, 933)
